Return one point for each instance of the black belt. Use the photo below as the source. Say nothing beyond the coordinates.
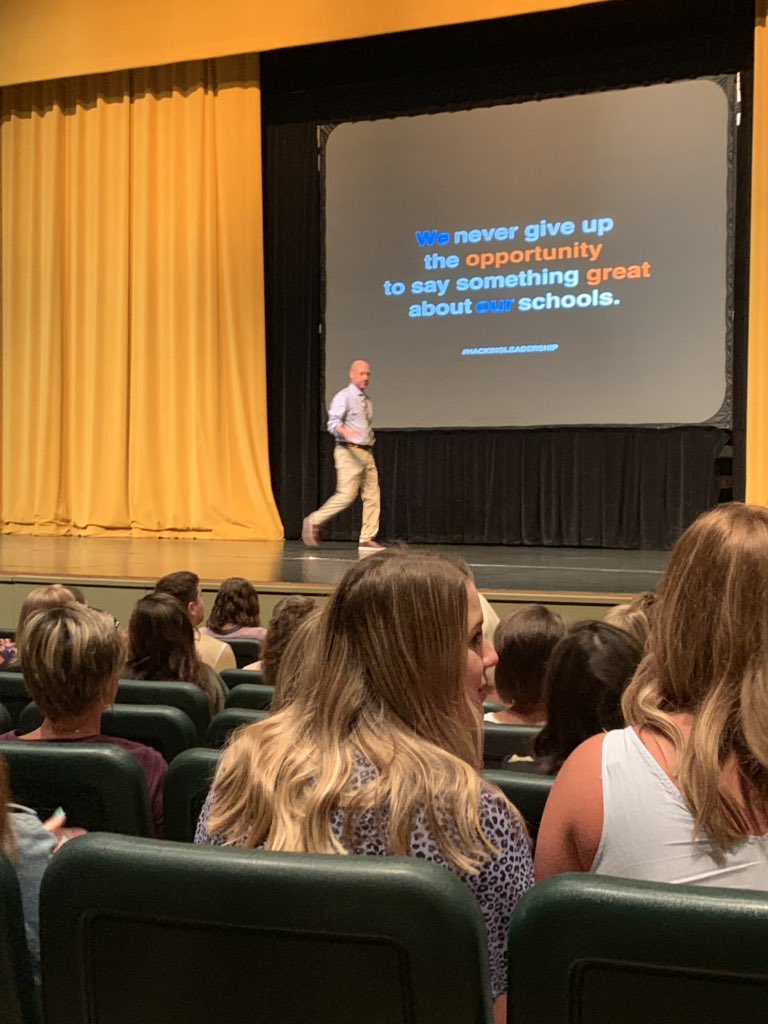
(351, 444)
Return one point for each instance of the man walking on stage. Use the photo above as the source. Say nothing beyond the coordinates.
(350, 420)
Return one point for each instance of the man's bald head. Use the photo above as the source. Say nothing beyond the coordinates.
(360, 374)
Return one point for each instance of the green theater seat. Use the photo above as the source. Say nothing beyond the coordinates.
(235, 676)
(185, 696)
(528, 792)
(499, 741)
(100, 786)
(250, 695)
(186, 787)
(13, 695)
(224, 724)
(149, 932)
(601, 950)
(166, 729)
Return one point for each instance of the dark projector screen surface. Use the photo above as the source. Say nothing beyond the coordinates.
(552, 262)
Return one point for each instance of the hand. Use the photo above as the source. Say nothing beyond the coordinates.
(55, 825)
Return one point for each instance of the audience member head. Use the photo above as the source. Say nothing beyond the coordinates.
(587, 674)
(287, 616)
(161, 640)
(236, 604)
(391, 644)
(707, 656)
(76, 592)
(185, 587)
(53, 595)
(633, 617)
(391, 675)
(71, 657)
(523, 643)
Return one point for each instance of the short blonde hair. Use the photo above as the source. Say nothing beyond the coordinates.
(69, 655)
(633, 617)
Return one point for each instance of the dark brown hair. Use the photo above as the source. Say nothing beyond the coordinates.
(587, 674)
(287, 616)
(236, 604)
(161, 645)
(523, 643)
(181, 585)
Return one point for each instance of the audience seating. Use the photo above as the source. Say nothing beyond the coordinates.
(489, 705)
(502, 740)
(528, 792)
(234, 676)
(186, 787)
(141, 930)
(100, 786)
(13, 694)
(250, 695)
(166, 729)
(225, 723)
(185, 696)
(6, 722)
(245, 651)
(18, 999)
(602, 950)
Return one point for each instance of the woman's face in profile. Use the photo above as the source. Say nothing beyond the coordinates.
(480, 655)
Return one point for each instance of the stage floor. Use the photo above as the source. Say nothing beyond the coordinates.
(578, 575)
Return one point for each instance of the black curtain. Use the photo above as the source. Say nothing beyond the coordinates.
(593, 488)
(607, 487)
(292, 287)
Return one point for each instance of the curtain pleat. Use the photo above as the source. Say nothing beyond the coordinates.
(133, 362)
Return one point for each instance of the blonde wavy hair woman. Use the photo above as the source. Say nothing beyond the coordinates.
(681, 795)
(376, 748)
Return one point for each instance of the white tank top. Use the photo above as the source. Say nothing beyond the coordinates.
(647, 827)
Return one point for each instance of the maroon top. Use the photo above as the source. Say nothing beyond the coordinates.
(152, 762)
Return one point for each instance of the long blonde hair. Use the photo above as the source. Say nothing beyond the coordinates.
(381, 682)
(707, 654)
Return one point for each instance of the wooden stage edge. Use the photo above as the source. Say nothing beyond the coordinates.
(115, 572)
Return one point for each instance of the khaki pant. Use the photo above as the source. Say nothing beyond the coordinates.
(356, 473)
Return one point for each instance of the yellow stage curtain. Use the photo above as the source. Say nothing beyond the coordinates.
(40, 39)
(132, 344)
(757, 390)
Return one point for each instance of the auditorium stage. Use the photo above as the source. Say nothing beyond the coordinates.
(115, 572)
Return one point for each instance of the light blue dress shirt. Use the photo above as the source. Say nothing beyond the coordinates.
(348, 409)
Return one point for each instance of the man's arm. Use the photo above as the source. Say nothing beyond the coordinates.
(337, 414)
